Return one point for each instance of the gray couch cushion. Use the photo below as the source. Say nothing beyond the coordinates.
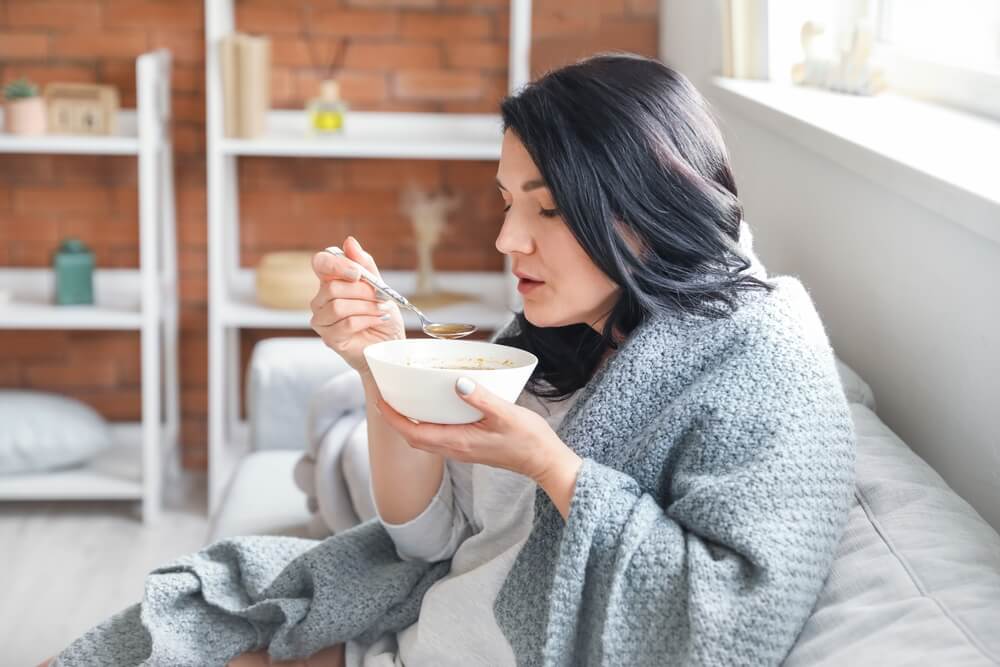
(916, 579)
(262, 499)
(284, 373)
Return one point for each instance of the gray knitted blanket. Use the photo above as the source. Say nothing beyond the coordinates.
(718, 467)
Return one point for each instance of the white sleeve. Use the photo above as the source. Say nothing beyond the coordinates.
(435, 533)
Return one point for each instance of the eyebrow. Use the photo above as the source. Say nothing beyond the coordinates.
(533, 184)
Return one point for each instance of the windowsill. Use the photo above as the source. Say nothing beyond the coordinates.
(939, 158)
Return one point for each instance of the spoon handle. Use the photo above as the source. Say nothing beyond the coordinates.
(374, 281)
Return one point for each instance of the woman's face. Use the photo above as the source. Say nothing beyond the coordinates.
(560, 285)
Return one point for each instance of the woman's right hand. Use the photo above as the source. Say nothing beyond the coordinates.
(346, 310)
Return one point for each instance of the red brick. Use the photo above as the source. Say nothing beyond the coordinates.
(559, 19)
(114, 404)
(188, 108)
(194, 358)
(91, 170)
(192, 260)
(437, 84)
(194, 288)
(189, 138)
(371, 55)
(395, 4)
(29, 228)
(33, 346)
(362, 88)
(10, 374)
(81, 374)
(194, 401)
(40, 201)
(184, 14)
(292, 51)
(477, 55)
(393, 174)
(56, 15)
(43, 74)
(481, 5)
(106, 44)
(268, 19)
(31, 253)
(192, 202)
(445, 26)
(192, 233)
(23, 45)
(186, 46)
(643, 8)
(354, 22)
(188, 78)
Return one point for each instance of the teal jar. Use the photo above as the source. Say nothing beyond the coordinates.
(73, 264)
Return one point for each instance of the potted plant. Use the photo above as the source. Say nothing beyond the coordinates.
(24, 110)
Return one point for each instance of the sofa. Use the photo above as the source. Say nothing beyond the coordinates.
(915, 581)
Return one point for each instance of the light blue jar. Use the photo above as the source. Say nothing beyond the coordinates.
(73, 264)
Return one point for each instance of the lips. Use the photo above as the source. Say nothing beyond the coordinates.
(525, 276)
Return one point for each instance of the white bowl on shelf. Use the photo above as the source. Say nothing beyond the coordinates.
(417, 376)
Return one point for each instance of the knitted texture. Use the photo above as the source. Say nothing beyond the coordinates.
(717, 473)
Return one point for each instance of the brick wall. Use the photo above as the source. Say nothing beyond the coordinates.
(423, 55)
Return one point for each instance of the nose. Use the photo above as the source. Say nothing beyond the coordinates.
(514, 237)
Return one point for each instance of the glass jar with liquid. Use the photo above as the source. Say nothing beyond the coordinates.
(326, 112)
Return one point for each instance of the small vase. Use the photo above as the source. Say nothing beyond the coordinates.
(26, 117)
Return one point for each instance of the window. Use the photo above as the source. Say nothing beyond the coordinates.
(943, 50)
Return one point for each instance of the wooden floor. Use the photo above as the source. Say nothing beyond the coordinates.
(65, 566)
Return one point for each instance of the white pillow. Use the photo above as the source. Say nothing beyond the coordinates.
(41, 431)
(855, 388)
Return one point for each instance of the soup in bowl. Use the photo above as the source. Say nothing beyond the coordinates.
(417, 376)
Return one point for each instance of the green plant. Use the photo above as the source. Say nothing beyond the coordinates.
(20, 89)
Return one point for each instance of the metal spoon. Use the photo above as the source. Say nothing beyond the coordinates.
(436, 329)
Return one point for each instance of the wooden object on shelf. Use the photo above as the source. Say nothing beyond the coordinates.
(286, 280)
(245, 63)
(81, 108)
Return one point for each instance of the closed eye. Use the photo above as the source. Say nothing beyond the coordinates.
(545, 212)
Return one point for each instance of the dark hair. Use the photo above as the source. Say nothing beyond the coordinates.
(626, 144)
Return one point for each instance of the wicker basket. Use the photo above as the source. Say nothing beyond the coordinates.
(286, 280)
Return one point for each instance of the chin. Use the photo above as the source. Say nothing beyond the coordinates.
(538, 317)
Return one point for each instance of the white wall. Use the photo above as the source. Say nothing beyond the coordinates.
(910, 299)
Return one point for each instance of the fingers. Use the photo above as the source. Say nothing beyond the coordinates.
(328, 266)
(354, 251)
(479, 397)
(449, 440)
(341, 289)
(337, 310)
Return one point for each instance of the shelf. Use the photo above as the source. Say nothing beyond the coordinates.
(125, 142)
(114, 474)
(371, 134)
(241, 310)
(30, 306)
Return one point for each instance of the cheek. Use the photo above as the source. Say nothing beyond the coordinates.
(577, 288)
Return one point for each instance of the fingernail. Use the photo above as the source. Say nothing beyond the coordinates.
(465, 386)
(384, 305)
(385, 316)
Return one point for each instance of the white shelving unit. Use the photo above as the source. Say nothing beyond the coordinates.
(387, 135)
(142, 300)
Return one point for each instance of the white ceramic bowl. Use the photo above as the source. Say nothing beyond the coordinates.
(410, 379)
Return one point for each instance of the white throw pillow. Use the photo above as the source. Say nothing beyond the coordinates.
(42, 431)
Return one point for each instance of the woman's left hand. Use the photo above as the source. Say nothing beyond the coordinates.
(508, 436)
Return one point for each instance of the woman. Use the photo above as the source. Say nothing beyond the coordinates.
(671, 485)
